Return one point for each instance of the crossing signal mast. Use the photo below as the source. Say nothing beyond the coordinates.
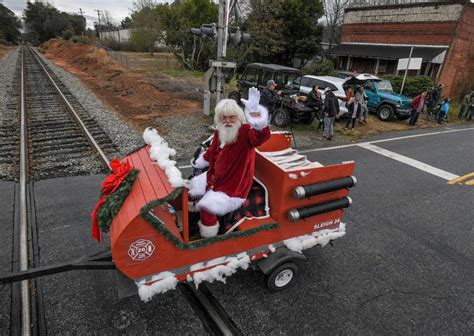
(215, 76)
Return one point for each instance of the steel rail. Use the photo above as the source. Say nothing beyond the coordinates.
(83, 127)
(25, 284)
(212, 314)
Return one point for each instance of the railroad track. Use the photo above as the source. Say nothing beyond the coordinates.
(58, 138)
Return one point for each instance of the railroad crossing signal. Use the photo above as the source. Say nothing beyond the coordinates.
(239, 37)
(206, 30)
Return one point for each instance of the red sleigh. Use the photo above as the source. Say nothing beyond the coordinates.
(303, 207)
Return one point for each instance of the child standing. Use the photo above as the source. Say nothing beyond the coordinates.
(444, 110)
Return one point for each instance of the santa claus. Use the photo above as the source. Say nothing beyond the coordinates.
(231, 160)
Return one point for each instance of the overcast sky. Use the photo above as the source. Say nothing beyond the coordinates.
(118, 9)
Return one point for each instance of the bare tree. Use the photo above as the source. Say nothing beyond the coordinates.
(334, 11)
(108, 20)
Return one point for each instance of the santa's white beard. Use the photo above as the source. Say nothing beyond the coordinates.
(228, 135)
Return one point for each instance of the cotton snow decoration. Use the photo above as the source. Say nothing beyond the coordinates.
(293, 176)
(322, 238)
(165, 281)
(160, 153)
(220, 272)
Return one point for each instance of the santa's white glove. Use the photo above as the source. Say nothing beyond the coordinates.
(256, 114)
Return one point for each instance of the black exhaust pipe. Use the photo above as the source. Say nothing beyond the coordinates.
(301, 192)
(295, 215)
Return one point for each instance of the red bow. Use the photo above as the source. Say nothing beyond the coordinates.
(111, 183)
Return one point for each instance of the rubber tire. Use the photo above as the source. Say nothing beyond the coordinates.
(391, 112)
(281, 118)
(308, 120)
(271, 278)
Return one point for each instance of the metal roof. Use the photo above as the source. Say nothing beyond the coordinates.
(390, 52)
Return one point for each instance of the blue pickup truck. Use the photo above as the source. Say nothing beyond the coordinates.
(384, 102)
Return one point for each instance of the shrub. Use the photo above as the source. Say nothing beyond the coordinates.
(414, 85)
(67, 34)
(323, 67)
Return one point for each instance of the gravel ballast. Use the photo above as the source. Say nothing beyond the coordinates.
(125, 138)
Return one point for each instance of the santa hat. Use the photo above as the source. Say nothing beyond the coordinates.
(252, 105)
(228, 107)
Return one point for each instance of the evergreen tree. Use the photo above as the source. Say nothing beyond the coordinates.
(9, 25)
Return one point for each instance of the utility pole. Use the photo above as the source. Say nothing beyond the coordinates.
(85, 22)
(222, 35)
(406, 70)
(98, 25)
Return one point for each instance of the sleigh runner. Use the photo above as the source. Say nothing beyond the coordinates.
(302, 207)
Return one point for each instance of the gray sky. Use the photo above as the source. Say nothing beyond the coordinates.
(118, 9)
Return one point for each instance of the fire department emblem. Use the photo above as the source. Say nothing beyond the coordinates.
(141, 249)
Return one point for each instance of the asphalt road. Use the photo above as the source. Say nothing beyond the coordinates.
(405, 266)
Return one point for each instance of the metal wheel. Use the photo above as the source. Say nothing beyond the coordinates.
(281, 277)
(386, 112)
(281, 118)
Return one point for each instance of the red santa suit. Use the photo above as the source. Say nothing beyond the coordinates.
(229, 178)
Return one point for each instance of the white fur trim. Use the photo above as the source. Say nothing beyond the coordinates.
(198, 185)
(258, 123)
(218, 203)
(208, 231)
(160, 153)
(252, 105)
(200, 162)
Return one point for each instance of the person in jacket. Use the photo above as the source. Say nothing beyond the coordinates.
(355, 109)
(231, 160)
(471, 107)
(465, 105)
(315, 101)
(443, 111)
(435, 98)
(269, 97)
(331, 109)
(237, 95)
(364, 113)
(417, 104)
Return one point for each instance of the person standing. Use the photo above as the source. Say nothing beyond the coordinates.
(269, 97)
(354, 108)
(471, 107)
(465, 105)
(316, 102)
(435, 98)
(237, 95)
(331, 109)
(443, 111)
(364, 114)
(418, 105)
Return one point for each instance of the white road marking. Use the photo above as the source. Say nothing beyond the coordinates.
(386, 140)
(364, 144)
(411, 162)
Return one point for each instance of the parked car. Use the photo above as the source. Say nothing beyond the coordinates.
(257, 75)
(307, 82)
(344, 74)
(383, 101)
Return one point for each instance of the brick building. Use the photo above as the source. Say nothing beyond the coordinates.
(376, 34)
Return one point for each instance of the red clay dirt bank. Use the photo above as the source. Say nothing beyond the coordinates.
(140, 98)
